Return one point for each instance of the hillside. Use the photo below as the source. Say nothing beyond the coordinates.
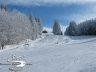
(55, 54)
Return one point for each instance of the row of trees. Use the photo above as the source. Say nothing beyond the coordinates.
(16, 26)
(85, 28)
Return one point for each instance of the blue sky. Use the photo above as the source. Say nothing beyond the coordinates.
(61, 10)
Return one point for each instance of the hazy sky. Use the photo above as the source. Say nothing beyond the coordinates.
(49, 10)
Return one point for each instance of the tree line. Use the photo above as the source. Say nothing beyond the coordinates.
(16, 26)
(87, 27)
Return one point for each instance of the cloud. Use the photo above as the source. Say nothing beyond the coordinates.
(46, 2)
(80, 18)
(83, 15)
(87, 15)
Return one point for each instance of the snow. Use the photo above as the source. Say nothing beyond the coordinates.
(52, 53)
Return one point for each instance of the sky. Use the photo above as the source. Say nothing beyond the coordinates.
(49, 10)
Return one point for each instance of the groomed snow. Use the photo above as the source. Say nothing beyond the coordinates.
(54, 54)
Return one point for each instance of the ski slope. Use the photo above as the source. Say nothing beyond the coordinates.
(54, 54)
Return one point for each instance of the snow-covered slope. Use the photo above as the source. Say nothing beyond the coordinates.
(55, 54)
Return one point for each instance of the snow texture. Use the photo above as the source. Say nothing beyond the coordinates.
(52, 53)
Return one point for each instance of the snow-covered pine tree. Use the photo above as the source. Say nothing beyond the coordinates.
(40, 26)
(33, 22)
(3, 7)
(71, 30)
(87, 27)
(56, 28)
(36, 26)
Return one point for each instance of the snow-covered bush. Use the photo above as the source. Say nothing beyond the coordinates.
(56, 28)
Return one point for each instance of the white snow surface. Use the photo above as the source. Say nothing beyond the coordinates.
(52, 53)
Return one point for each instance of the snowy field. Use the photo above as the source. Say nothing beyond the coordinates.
(54, 54)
